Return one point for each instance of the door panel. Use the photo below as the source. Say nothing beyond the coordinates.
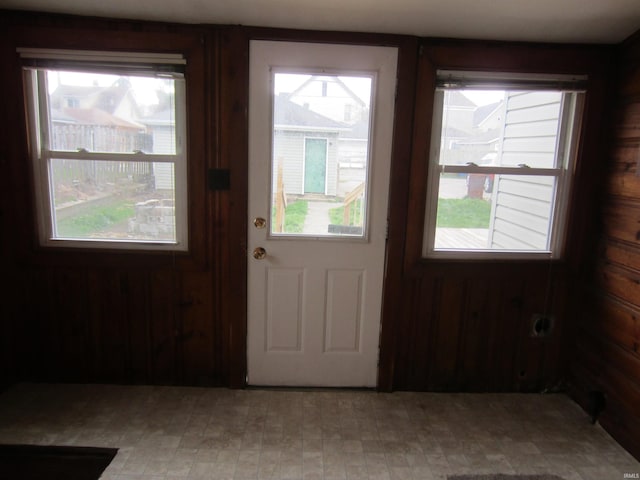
(314, 297)
(284, 287)
(343, 319)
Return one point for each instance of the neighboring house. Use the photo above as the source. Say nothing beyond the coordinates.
(306, 143)
(489, 117)
(94, 130)
(331, 97)
(459, 129)
(352, 157)
(482, 147)
(115, 99)
(108, 119)
(460, 111)
(161, 129)
(476, 149)
(463, 145)
(344, 117)
(96, 118)
(453, 151)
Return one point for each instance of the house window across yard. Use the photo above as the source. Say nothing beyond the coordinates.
(502, 156)
(107, 134)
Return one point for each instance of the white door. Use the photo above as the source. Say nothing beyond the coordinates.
(316, 262)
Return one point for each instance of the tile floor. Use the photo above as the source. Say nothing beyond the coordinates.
(175, 433)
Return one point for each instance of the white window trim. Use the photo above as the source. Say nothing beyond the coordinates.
(563, 170)
(41, 155)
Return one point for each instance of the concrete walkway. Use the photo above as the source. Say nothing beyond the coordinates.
(317, 220)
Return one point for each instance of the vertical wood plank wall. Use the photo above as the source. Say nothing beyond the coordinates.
(465, 324)
(126, 317)
(606, 346)
(470, 330)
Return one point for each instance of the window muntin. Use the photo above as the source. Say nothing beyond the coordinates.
(108, 146)
(501, 162)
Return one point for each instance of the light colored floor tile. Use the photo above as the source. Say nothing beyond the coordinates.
(173, 433)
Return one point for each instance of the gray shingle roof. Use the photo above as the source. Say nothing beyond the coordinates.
(287, 113)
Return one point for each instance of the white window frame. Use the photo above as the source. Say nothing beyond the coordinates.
(36, 63)
(572, 106)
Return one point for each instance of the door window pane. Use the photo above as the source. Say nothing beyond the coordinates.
(320, 155)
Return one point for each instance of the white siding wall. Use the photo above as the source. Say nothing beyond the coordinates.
(523, 205)
(353, 151)
(352, 162)
(289, 145)
(332, 165)
(163, 142)
(531, 125)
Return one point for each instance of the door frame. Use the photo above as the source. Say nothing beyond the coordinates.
(230, 55)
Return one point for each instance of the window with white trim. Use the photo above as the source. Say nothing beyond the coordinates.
(108, 145)
(503, 150)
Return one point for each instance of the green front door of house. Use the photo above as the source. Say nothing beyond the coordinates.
(315, 165)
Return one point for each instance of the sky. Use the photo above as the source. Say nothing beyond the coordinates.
(361, 86)
(287, 83)
(484, 97)
(143, 87)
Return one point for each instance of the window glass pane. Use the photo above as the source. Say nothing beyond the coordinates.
(500, 128)
(102, 200)
(320, 154)
(111, 113)
(494, 212)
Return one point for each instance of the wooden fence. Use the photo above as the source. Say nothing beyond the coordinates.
(96, 171)
(99, 138)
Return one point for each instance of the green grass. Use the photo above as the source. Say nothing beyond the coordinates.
(294, 216)
(463, 213)
(95, 221)
(336, 215)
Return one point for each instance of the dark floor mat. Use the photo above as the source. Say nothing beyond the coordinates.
(36, 462)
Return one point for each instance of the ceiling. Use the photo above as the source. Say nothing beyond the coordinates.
(565, 21)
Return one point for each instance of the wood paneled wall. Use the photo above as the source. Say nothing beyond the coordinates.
(471, 330)
(127, 317)
(466, 325)
(606, 354)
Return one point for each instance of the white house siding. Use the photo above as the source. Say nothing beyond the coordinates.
(523, 205)
(288, 145)
(531, 126)
(522, 210)
(163, 173)
(163, 142)
(352, 162)
(352, 151)
(332, 165)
